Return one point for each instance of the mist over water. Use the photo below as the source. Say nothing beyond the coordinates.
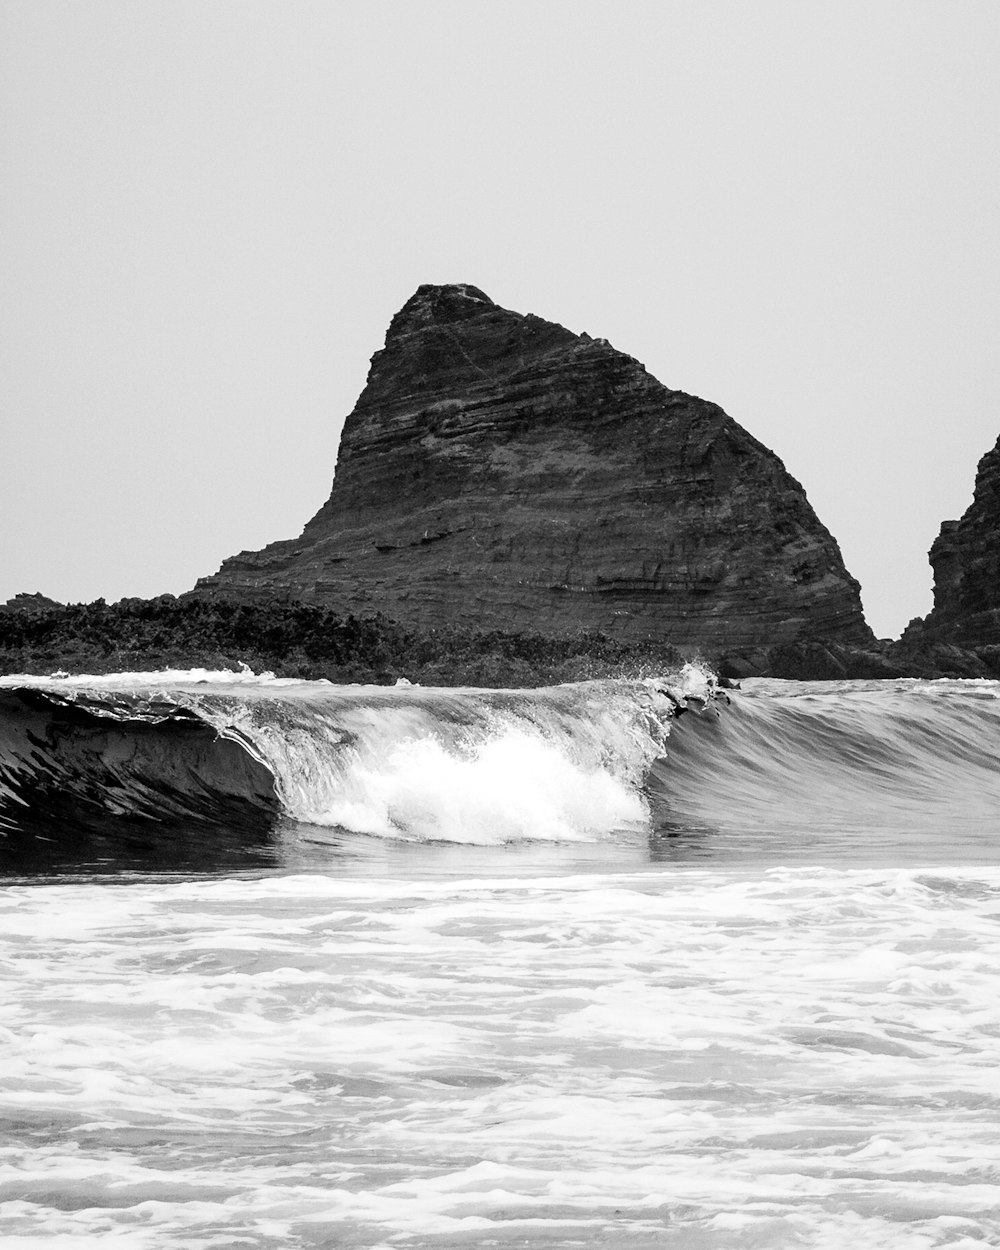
(622, 963)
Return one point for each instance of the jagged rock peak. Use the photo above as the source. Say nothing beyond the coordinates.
(449, 338)
(501, 472)
(439, 305)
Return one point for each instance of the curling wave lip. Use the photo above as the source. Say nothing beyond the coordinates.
(481, 766)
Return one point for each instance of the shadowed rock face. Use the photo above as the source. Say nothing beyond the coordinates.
(965, 558)
(501, 472)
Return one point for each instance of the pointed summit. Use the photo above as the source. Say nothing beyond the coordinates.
(439, 305)
(499, 471)
(452, 337)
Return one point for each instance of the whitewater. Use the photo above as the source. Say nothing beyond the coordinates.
(622, 963)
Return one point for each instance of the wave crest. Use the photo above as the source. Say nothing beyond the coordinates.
(482, 766)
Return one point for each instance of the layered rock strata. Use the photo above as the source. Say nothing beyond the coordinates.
(965, 558)
(501, 472)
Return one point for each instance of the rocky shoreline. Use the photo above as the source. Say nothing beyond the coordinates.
(293, 639)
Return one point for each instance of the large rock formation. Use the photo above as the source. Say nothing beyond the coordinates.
(501, 472)
(965, 558)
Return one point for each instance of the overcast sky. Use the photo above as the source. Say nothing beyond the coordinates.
(212, 209)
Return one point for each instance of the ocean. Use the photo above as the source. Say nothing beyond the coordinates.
(623, 963)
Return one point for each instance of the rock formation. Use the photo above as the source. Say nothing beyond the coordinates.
(965, 558)
(501, 472)
(24, 602)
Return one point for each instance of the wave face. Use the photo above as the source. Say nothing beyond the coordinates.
(869, 767)
(770, 770)
(479, 766)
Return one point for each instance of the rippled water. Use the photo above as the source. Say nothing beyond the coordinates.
(694, 1059)
(723, 1030)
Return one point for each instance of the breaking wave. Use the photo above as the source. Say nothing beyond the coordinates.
(223, 756)
(481, 766)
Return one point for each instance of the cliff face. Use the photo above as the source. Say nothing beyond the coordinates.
(501, 472)
(965, 558)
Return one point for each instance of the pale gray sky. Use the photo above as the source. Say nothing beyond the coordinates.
(212, 209)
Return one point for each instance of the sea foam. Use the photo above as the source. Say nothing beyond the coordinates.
(798, 1058)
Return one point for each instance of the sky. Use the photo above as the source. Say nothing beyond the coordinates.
(211, 210)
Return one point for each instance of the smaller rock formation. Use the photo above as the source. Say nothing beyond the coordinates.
(29, 603)
(965, 558)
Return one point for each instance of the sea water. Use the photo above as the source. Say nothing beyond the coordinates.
(619, 964)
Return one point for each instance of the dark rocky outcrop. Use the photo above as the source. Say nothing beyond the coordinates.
(309, 641)
(500, 472)
(965, 558)
(25, 602)
(304, 641)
